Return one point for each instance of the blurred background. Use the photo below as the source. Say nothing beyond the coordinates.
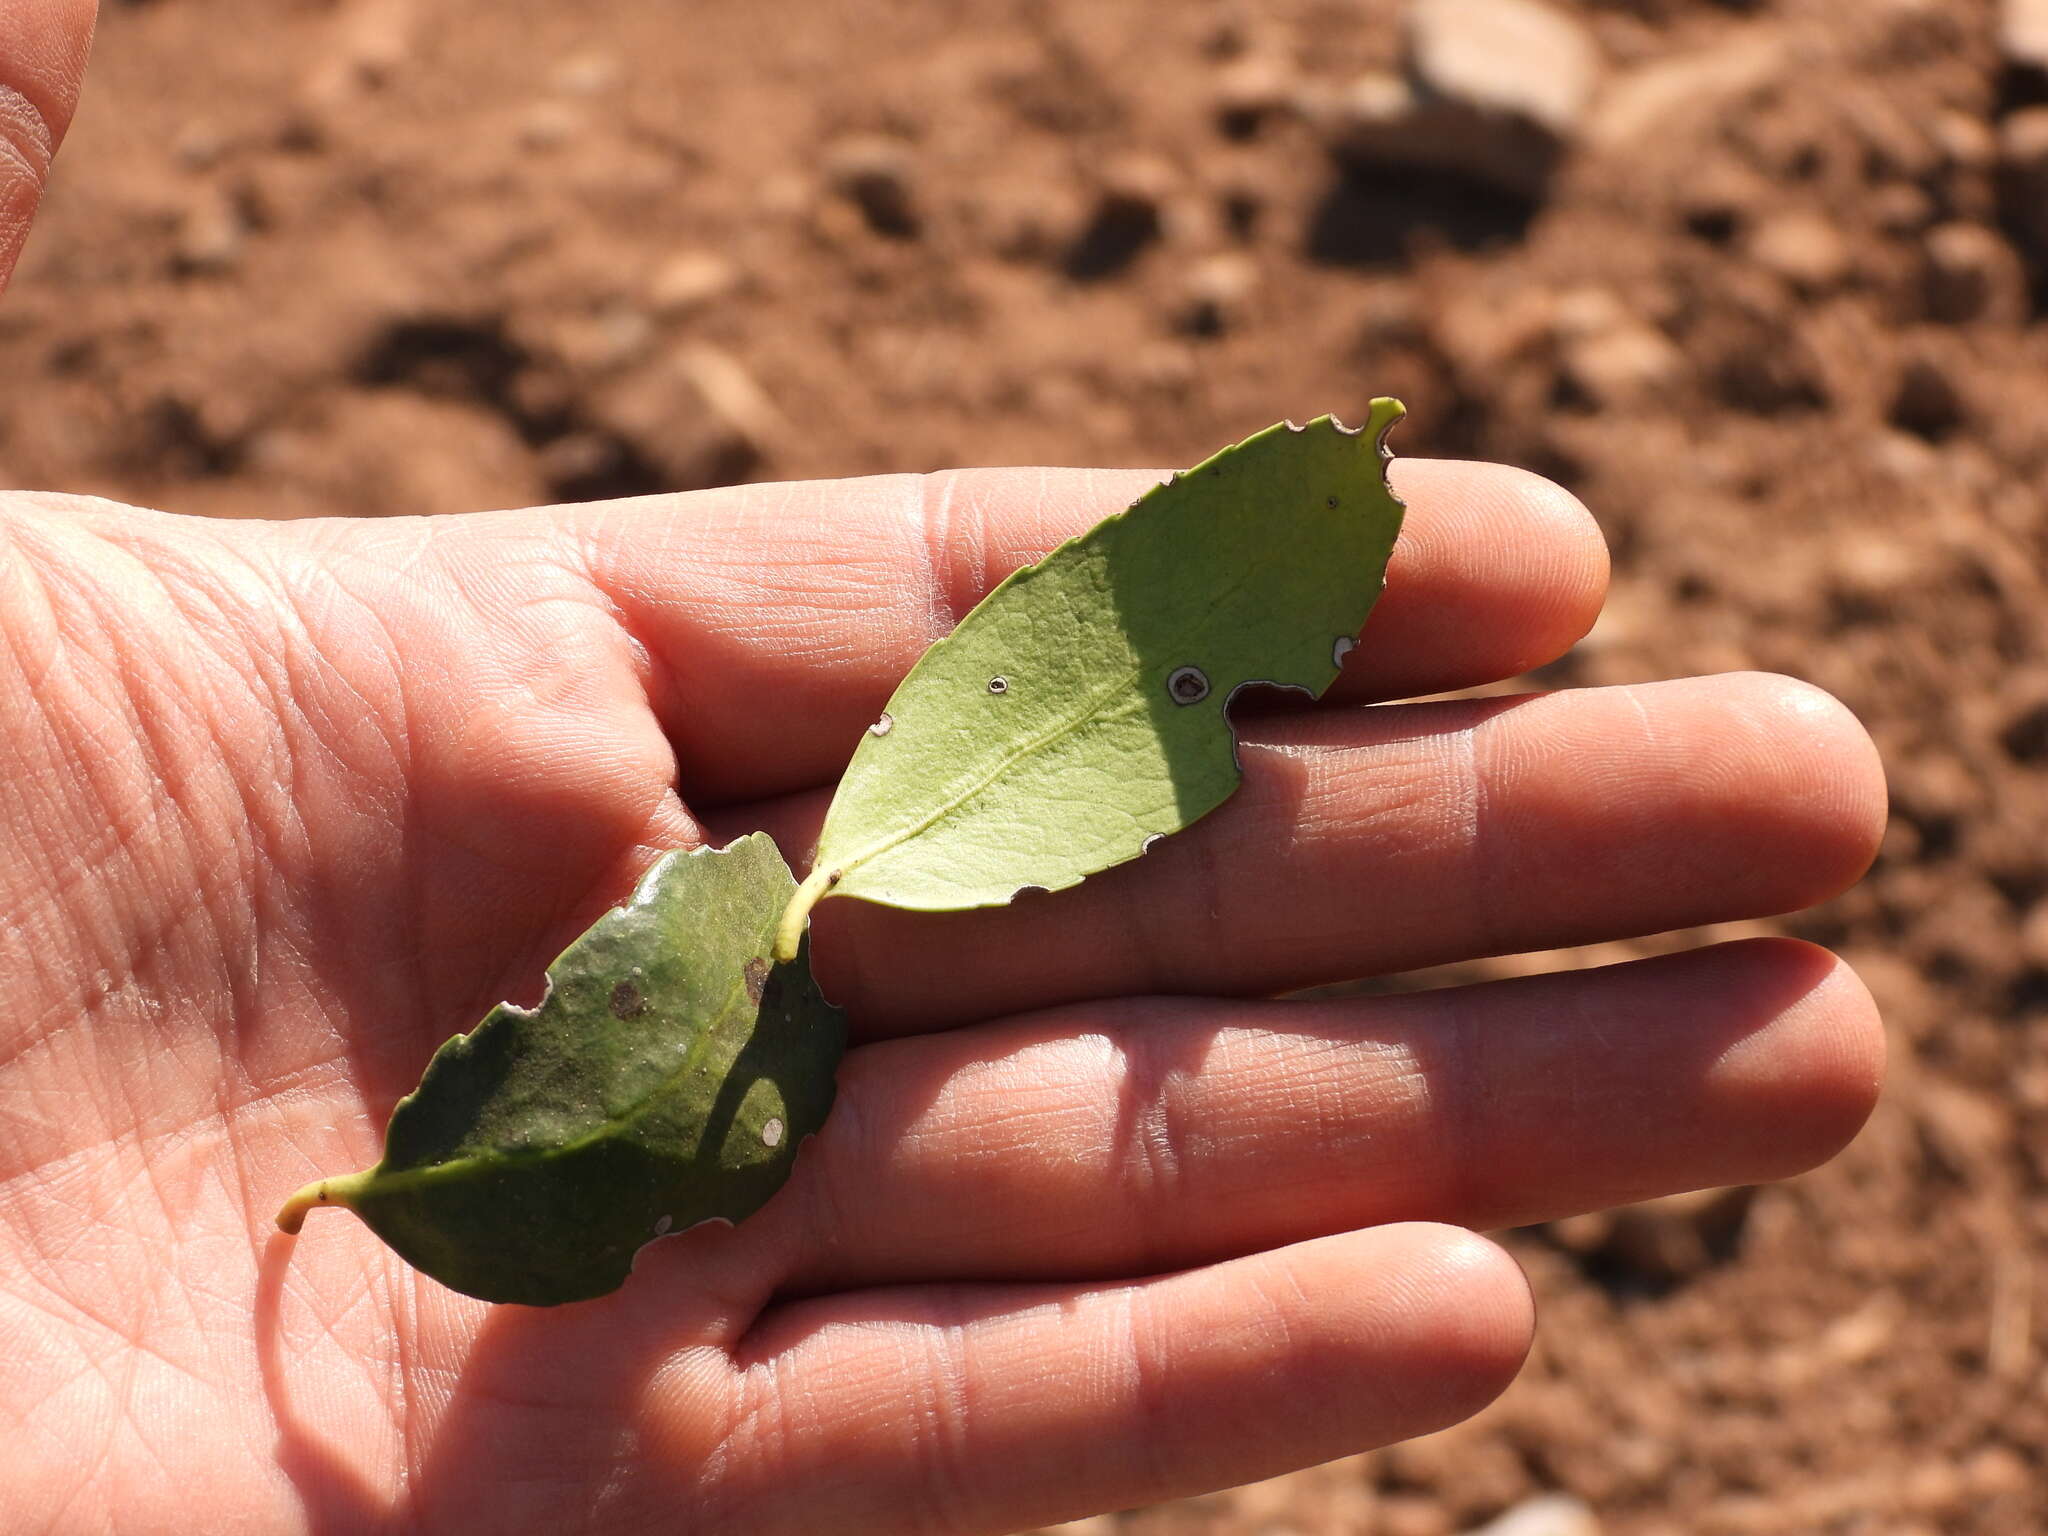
(1764, 281)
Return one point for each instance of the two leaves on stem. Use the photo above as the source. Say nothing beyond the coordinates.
(682, 1051)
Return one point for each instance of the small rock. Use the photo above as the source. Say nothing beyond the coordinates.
(1588, 1232)
(1927, 402)
(1411, 1514)
(548, 125)
(1249, 92)
(371, 40)
(696, 417)
(1973, 274)
(1615, 367)
(586, 74)
(199, 148)
(2034, 927)
(1964, 139)
(1494, 89)
(1217, 291)
(1129, 215)
(1899, 208)
(1719, 202)
(1803, 248)
(2025, 734)
(1997, 1471)
(735, 396)
(1965, 1133)
(690, 280)
(1932, 1487)
(1676, 92)
(2023, 34)
(1168, 367)
(1507, 58)
(210, 237)
(603, 338)
(1548, 1514)
(2023, 178)
(1676, 1237)
(877, 176)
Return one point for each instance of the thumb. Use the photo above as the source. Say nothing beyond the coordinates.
(42, 56)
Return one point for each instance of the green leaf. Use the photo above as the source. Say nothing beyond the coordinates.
(1080, 710)
(667, 1078)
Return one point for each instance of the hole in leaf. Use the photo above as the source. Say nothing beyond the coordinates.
(1188, 685)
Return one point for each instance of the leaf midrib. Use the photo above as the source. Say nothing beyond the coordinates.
(1081, 718)
(949, 807)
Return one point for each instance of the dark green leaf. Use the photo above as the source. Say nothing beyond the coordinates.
(666, 1079)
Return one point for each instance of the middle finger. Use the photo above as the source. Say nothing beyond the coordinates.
(1365, 841)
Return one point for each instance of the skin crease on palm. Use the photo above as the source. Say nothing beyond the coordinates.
(281, 806)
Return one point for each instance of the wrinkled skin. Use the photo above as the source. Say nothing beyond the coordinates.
(1093, 1223)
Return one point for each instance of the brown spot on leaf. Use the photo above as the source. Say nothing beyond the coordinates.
(627, 1003)
(757, 979)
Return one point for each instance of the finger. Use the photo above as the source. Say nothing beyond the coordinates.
(42, 57)
(1144, 1135)
(1377, 840)
(988, 1409)
(779, 618)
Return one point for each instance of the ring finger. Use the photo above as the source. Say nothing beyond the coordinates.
(1154, 1134)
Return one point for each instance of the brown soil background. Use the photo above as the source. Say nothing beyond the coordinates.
(1776, 328)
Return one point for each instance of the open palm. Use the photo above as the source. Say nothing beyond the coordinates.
(1093, 1221)
(285, 805)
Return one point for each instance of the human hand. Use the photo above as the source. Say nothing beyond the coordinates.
(284, 804)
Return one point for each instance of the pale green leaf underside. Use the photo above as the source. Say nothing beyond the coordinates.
(1079, 710)
(666, 1079)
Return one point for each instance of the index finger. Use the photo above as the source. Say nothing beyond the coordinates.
(779, 618)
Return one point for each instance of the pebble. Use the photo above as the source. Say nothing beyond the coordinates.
(1655, 97)
(876, 174)
(2023, 33)
(1130, 213)
(1803, 248)
(199, 148)
(735, 396)
(1613, 368)
(1548, 1514)
(1997, 1471)
(2023, 164)
(2034, 928)
(587, 74)
(1492, 89)
(689, 280)
(1973, 274)
(210, 238)
(1217, 291)
(1249, 91)
(1516, 59)
(1411, 1514)
(1926, 401)
(696, 415)
(548, 125)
